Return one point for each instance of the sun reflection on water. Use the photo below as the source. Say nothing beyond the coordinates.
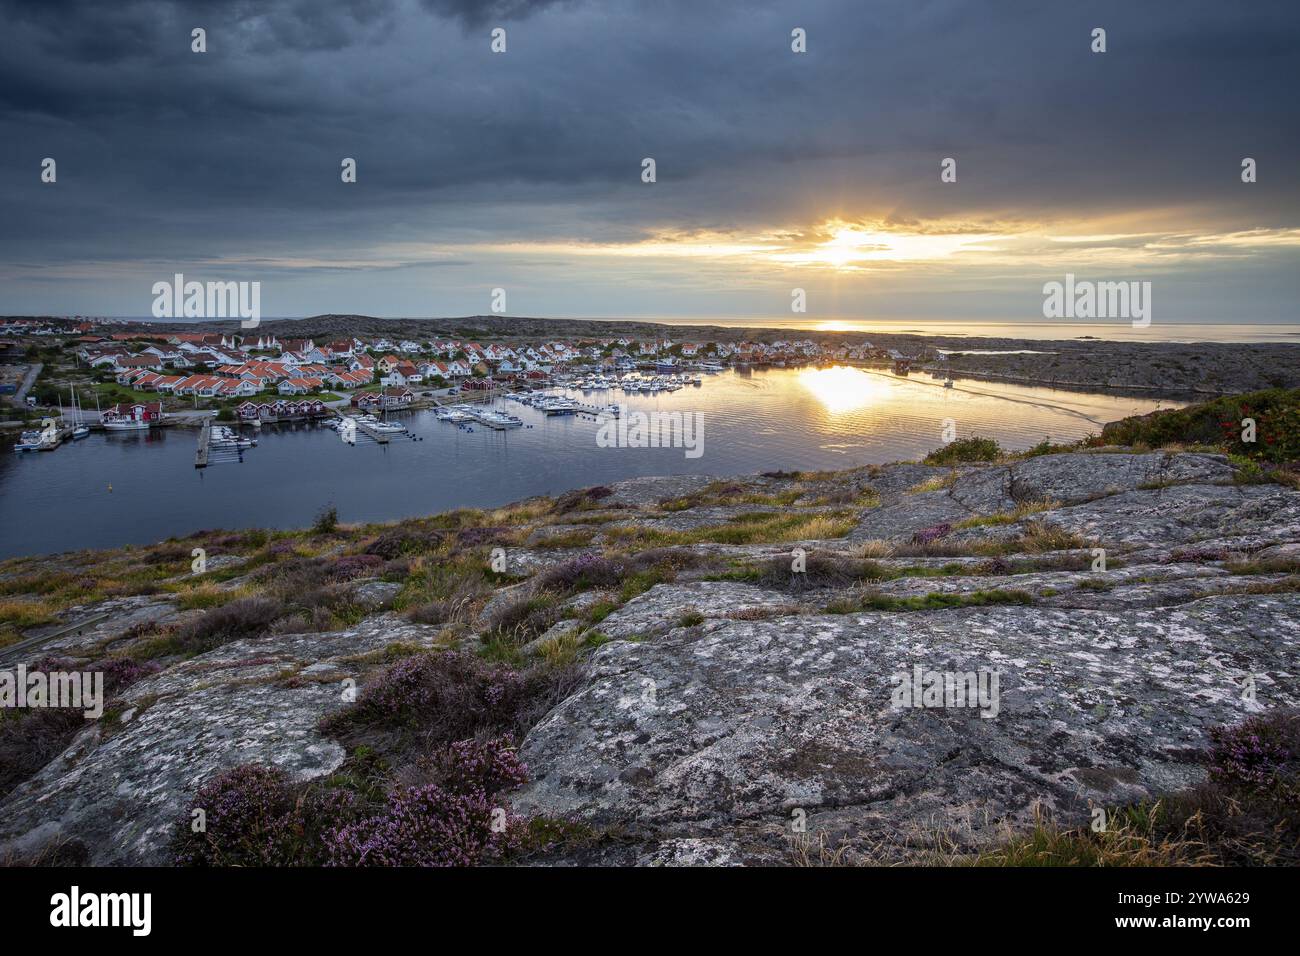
(842, 389)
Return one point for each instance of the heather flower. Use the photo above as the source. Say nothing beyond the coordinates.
(453, 823)
(473, 537)
(1248, 756)
(426, 826)
(448, 696)
(355, 566)
(254, 816)
(932, 533)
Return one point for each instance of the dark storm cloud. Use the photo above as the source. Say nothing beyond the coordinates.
(236, 152)
(477, 13)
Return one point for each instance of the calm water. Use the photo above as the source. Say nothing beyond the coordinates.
(1040, 330)
(114, 489)
(1117, 330)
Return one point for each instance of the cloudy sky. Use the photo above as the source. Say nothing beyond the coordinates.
(775, 170)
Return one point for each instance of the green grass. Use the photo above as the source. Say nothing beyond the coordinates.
(577, 538)
(930, 602)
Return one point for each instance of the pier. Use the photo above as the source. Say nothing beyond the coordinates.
(215, 452)
(205, 438)
(373, 433)
(586, 409)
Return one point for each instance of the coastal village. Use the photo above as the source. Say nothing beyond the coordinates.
(170, 376)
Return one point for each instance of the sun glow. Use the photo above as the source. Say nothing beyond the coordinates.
(841, 389)
(850, 246)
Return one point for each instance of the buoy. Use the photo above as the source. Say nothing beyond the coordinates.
(110, 487)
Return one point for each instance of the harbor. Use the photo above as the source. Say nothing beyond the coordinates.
(115, 487)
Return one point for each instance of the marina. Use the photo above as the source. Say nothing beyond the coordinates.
(117, 487)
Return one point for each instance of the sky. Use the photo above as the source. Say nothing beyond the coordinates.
(774, 170)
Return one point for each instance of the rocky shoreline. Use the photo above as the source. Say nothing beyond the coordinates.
(729, 652)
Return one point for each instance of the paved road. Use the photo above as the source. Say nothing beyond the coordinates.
(28, 381)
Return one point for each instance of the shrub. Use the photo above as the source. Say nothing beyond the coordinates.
(255, 816)
(354, 566)
(396, 542)
(327, 520)
(477, 537)
(454, 823)
(581, 499)
(965, 450)
(820, 570)
(252, 816)
(523, 619)
(167, 554)
(245, 617)
(582, 573)
(435, 698)
(31, 739)
(931, 534)
(1251, 755)
(1276, 413)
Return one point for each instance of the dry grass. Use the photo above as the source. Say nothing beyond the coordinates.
(752, 528)
(1040, 537)
(24, 614)
(1130, 839)
(935, 483)
(763, 613)
(874, 549)
(1018, 513)
(561, 650)
(807, 851)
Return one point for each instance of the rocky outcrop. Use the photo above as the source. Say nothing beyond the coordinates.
(118, 790)
(711, 729)
(1108, 681)
(725, 704)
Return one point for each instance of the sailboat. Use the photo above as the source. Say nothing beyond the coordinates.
(79, 428)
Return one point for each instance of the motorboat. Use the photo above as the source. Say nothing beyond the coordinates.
(29, 441)
(227, 437)
(125, 425)
(500, 420)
